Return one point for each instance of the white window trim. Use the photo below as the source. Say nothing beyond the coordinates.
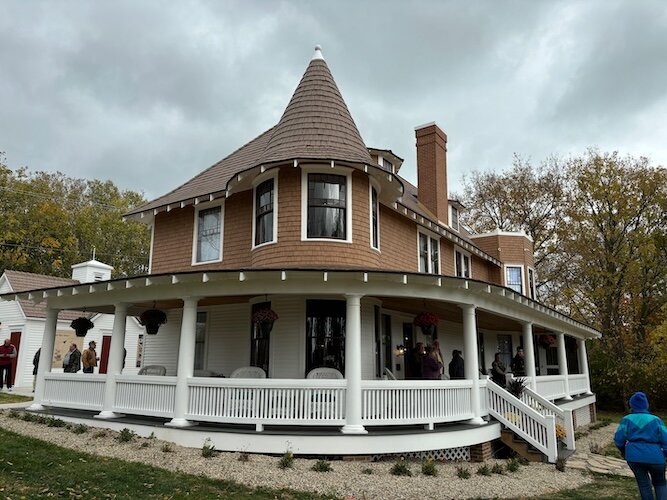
(259, 180)
(458, 221)
(372, 184)
(429, 236)
(206, 206)
(206, 335)
(335, 170)
(466, 254)
(523, 277)
(530, 290)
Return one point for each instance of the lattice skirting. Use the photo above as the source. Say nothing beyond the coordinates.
(583, 416)
(461, 454)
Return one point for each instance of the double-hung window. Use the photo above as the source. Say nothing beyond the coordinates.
(208, 231)
(514, 278)
(462, 264)
(375, 226)
(327, 206)
(454, 218)
(429, 254)
(265, 212)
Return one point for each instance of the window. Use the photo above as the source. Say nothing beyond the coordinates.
(462, 264)
(454, 219)
(264, 213)
(375, 229)
(387, 164)
(513, 278)
(209, 235)
(531, 283)
(325, 334)
(260, 340)
(327, 197)
(200, 341)
(98, 276)
(429, 254)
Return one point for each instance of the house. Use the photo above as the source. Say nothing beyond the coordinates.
(23, 322)
(307, 223)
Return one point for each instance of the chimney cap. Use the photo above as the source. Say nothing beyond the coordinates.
(429, 124)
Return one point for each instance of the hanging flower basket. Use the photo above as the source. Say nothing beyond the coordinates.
(547, 340)
(152, 319)
(264, 319)
(81, 326)
(427, 322)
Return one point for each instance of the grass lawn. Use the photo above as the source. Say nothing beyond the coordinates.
(6, 397)
(603, 488)
(30, 468)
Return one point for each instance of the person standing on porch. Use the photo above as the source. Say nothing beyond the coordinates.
(431, 367)
(642, 440)
(414, 361)
(7, 354)
(519, 363)
(90, 358)
(456, 370)
(498, 370)
(72, 361)
(438, 357)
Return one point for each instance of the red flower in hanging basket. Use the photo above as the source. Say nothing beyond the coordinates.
(547, 340)
(426, 319)
(263, 315)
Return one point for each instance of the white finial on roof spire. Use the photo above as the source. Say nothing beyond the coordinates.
(318, 53)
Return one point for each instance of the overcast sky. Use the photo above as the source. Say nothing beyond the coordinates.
(148, 94)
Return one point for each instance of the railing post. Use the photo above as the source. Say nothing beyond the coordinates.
(552, 442)
(562, 363)
(471, 366)
(186, 361)
(353, 367)
(115, 365)
(583, 363)
(529, 352)
(45, 357)
(569, 430)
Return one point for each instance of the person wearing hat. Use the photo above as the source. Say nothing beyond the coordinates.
(642, 440)
(518, 364)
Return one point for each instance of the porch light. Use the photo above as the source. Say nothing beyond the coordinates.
(400, 350)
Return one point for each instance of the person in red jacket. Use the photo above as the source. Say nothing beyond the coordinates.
(7, 355)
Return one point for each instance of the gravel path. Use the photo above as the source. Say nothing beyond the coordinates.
(346, 480)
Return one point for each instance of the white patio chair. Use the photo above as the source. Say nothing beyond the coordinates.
(323, 372)
(153, 370)
(248, 372)
(390, 375)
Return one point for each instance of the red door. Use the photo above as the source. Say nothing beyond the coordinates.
(15, 339)
(104, 357)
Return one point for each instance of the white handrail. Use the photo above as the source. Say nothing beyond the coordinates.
(537, 429)
(546, 407)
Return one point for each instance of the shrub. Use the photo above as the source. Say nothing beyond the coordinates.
(287, 460)
(368, 471)
(400, 468)
(79, 429)
(167, 448)
(55, 422)
(513, 465)
(516, 386)
(560, 464)
(14, 413)
(463, 473)
(145, 444)
(497, 469)
(99, 434)
(152, 436)
(580, 434)
(208, 450)
(125, 435)
(321, 466)
(484, 470)
(244, 456)
(429, 468)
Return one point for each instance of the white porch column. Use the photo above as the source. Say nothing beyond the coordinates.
(529, 353)
(45, 357)
(115, 365)
(186, 361)
(562, 362)
(471, 363)
(583, 363)
(353, 367)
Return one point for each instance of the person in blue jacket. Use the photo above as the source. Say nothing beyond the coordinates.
(642, 440)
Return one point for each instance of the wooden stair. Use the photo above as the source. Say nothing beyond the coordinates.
(520, 446)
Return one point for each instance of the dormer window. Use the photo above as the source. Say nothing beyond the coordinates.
(387, 164)
(265, 210)
(326, 211)
(208, 235)
(454, 218)
(429, 254)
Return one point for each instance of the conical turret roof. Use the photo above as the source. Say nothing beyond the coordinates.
(316, 123)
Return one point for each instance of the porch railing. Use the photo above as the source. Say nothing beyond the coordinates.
(145, 395)
(578, 384)
(537, 429)
(74, 390)
(404, 402)
(546, 407)
(267, 401)
(551, 386)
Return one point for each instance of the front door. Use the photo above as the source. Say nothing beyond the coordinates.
(104, 356)
(15, 339)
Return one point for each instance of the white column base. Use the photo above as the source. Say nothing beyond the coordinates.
(589, 393)
(106, 415)
(35, 407)
(477, 421)
(568, 398)
(180, 422)
(353, 429)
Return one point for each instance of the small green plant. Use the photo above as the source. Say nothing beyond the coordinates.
(167, 448)
(244, 456)
(287, 460)
(513, 465)
(126, 435)
(14, 413)
(429, 468)
(99, 434)
(560, 464)
(483, 470)
(208, 450)
(521, 460)
(463, 472)
(28, 417)
(55, 422)
(145, 444)
(79, 429)
(516, 386)
(367, 470)
(322, 466)
(152, 436)
(580, 434)
(400, 468)
(497, 469)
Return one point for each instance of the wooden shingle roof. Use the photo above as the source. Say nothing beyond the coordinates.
(22, 282)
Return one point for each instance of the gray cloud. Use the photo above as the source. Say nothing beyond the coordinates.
(150, 93)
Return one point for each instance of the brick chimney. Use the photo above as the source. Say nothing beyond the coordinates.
(432, 169)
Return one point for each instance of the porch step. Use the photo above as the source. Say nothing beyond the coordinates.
(520, 446)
